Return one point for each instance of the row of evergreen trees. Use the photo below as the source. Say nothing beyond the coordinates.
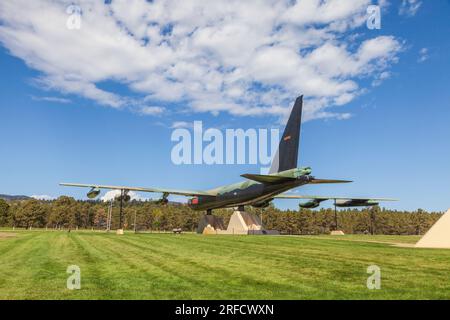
(68, 213)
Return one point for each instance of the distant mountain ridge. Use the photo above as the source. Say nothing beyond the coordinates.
(12, 198)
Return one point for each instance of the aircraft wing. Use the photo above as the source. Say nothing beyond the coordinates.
(294, 196)
(319, 181)
(188, 193)
(269, 179)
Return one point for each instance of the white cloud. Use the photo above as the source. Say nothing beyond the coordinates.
(380, 78)
(423, 55)
(180, 124)
(51, 99)
(409, 7)
(151, 110)
(116, 193)
(247, 58)
(43, 197)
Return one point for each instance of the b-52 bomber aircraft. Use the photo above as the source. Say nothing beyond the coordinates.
(257, 190)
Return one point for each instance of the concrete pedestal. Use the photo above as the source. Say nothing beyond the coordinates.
(119, 231)
(241, 223)
(209, 224)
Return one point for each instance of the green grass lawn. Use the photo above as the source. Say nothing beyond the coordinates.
(164, 266)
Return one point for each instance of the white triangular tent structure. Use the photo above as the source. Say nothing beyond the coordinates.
(439, 234)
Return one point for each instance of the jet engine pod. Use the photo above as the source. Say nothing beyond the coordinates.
(263, 204)
(93, 193)
(355, 203)
(310, 204)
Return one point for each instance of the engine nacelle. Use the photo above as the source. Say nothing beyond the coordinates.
(264, 204)
(310, 204)
(355, 203)
(93, 193)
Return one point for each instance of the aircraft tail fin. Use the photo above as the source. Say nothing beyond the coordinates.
(287, 153)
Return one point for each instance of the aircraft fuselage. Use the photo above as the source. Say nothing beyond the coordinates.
(245, 193)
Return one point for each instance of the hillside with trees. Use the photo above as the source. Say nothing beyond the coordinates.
(68, 213)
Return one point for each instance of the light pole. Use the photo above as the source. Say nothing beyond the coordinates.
(121, 208)
(335, 216)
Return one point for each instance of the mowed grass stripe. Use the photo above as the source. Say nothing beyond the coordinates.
(253, 266)
(37, 266)
(247, 241)
(14, 271)
(375, 257)
(198, 275)
(220, 271)
(165, 266)
(239, 278)
(136, 271)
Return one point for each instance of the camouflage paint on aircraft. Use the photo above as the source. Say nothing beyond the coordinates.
(258, 190)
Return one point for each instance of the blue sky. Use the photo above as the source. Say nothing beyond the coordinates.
(71, 112)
